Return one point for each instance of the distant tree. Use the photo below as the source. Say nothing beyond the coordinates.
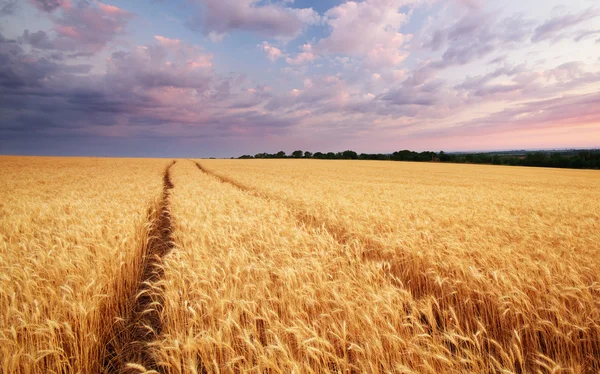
(539, 159)
(586, 159)
(405, 155)
(444, 157)
(349, 155)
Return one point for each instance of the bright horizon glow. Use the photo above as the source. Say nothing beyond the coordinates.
(222, 78)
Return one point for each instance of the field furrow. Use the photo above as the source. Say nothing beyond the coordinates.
(129, 347)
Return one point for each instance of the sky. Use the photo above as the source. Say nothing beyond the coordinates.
(221, 78)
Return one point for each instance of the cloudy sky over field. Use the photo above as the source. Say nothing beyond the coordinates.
(229, 77)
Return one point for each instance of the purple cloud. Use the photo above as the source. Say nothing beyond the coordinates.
(89, 26)
(38, 39)
(572, 110)
(50, 5)
(7, 7)
(476, 35)
(583, 34)
(551, 28)
(82, 26)
(219, 17)
(167, 83)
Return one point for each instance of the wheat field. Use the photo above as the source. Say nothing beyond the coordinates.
(297, 266)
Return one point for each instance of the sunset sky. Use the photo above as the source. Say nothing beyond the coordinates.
(200, 78)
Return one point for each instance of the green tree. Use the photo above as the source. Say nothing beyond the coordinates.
(297, 154)
(307, 154)
(349, 155)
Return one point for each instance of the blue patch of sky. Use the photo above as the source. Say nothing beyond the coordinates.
(321, 6)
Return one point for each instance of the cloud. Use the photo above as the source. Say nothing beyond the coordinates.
(83, 26)
(150, 67)
(168, 84)
(475, 35)
(7, 7)
(307, 55)
(518, 82)
(90, 27)
(566, 111)
(219, 17)
(429, 94)
(583, 34)
(272, 53)
(369, 30)
(551, 28)
(20, 70)
(38, 39)
(51, 5)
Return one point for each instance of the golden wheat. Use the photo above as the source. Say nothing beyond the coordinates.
(303, 266)
(71, 233)
(511, 252)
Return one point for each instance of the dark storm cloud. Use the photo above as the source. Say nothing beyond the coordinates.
(163, 85)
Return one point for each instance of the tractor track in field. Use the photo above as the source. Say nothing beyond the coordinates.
(130, 340)
(472, 310)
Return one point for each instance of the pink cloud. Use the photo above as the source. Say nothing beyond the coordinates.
(272, 53)
(68, 31)
(81, 26)
(531, 124)
(111, 9)
(167, 42)
(218, 17)
(368, 29)
(307, 55)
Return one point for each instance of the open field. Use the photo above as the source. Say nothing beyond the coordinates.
(297, 266)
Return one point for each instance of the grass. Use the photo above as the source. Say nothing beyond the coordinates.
(299, 266)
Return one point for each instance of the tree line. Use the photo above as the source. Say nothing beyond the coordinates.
(573, 159)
